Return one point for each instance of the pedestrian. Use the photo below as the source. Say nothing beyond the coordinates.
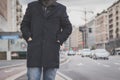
(113, 51)
(45, 27)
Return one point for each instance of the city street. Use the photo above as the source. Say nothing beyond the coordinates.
(76, 68)
(11, 68)
(79, 68)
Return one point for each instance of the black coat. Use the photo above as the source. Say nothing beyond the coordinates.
(45, 30)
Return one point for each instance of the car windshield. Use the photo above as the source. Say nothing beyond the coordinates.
(100, 50)
(87, 50)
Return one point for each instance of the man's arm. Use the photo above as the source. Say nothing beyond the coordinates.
(66, 28)
(25, 25)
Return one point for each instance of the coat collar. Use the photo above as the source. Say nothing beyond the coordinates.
(53, 5)
(52, 9)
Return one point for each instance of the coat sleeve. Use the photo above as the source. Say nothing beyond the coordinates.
(66, 27)
(26, 24)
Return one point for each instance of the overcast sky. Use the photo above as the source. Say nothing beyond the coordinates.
(75, 8)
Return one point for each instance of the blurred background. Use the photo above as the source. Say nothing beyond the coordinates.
(96, 35)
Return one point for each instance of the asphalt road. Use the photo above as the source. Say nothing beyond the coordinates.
(4, 63)
(79, 68)
(10, 68)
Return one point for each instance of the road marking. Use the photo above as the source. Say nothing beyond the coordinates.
(7, 71)
(117, 63)
(80, 64)
(63, 76)
(11, 66)
(67, 61)
(97, 62)
(106, 66)
(12, 69)
(17, 75)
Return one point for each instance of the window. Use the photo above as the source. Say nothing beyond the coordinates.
(116, 12)
(117, 18)
(90, 30)
(117, 24)
(110, 21)
(110, 15)
(110, 26)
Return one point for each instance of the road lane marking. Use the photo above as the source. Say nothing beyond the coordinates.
(63, 76)
(12, 69)
(8, 71)
(117, 63)
(106, 66)
(67, 61)
(97, 62)
(17, 75)
(80, 64)
(11, 66)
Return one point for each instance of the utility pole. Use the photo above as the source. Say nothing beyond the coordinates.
(84, 30)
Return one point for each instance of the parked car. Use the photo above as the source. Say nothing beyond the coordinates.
(100, 53)
(71, 52)
(117, 51)
(77, 52)
(92, 52)
(85, 53)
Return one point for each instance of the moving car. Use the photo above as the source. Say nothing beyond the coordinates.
(100, 53)
(71, 52)
(85, 53)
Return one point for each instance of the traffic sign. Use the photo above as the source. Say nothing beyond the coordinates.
(9, 37)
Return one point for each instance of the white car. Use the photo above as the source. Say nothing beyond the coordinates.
(100, 53)
(86, 53)
(71, 52)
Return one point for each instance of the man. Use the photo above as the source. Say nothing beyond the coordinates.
(45, 27)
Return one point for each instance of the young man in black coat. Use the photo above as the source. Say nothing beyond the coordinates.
(45, 27)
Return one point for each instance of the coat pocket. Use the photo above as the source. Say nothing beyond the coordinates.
(29, 43)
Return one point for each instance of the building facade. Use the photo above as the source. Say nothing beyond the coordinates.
(101, 30)
(91, 34)
(76, 39)
(10, 19)
(11, 14)
(3, 15)
(114, 25)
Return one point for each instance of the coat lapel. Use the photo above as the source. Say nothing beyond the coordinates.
(40, 10)
(52, 11)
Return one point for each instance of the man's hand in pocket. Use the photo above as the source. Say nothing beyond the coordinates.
(29, 39)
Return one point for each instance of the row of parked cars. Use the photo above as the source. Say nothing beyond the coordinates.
(95, 54)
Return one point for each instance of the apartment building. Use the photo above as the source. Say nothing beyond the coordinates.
(10, 19)
(114, 24)
(3, 15)
(101, 29)
(91, 34)
(11, 15)
(76, 39)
